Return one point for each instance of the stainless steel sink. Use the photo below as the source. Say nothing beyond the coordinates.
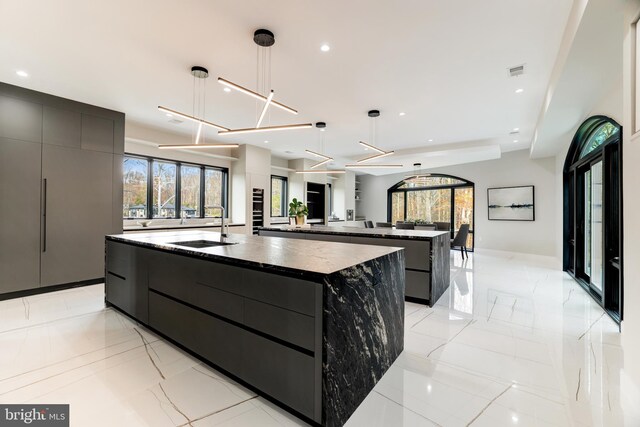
(199, 244)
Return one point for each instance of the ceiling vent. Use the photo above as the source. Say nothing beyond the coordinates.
(516, 71)
(514, 132)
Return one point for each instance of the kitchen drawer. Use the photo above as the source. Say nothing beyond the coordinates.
(283, 373)
(281, 291)
(292, 327)
(416, 251)
(120, 258)
(200, 283)
(216, 340)
(417, 284)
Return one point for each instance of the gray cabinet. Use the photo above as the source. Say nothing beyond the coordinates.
(78, 213)
(60, 187)
(61, 127)
(126, 279)
(19, 215)
(20, 119)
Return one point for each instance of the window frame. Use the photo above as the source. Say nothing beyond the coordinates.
(452, 193)
(149, 195)
(178, 184)
(283, 199)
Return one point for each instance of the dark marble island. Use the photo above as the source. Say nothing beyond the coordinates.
(426, 253)
(310, 325)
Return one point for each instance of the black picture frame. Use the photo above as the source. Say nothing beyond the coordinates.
(514, 205)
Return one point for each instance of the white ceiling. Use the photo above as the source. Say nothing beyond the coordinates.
(444, 63)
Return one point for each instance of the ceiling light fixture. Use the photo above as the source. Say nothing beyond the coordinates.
(375, 156)
(430, 140)
(266, 142)
(328, 171)
(519, 90)
(200, 74)
(264, 39)
(226, 89)
(192, 118)
(325, 48)
(373, 166)
(402, 114)
(325, 159)
(22, 73)
(515, 140)
(381, 153)
(264, 129)
(516, 129)
(367, 146)
(192, 146)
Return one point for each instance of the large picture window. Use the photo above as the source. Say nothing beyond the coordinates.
(430, 199)
(159, 188)
(278, 196)
(135, 184)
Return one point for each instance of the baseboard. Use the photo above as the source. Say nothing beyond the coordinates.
(46, 289)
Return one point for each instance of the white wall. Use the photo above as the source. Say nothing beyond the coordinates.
(631, 206)
(514, 168)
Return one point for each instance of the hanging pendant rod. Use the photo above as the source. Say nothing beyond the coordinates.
(375, 156)
(356, 166)
(193, 146)
(364, 144)
(321, 171)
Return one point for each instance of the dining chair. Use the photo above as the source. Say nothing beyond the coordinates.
(405, 226)
(443, 226)
(368, 224)
(460, 241)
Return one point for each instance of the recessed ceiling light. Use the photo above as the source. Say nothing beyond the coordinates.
(431, 140)
(22, 73)
(519, 90)
(266, 142)
(515, 140)
(226, 89)
(169, 115)
(325, 48)
(403, 113)
(516, 129)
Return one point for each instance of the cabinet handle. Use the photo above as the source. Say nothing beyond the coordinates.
(44, 215)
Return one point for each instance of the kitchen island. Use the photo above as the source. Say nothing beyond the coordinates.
(310, 325)
(426, 253)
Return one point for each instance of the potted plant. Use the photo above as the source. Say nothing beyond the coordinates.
(298, 210)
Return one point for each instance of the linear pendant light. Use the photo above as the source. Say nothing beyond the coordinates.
(193, 119)
(329, 171)
(317, 154)
(324, 162)
(373, 166)
(376, 156)
(255, 95)
(192, 146)
(265, 108)
(265, 129)
(364, 144)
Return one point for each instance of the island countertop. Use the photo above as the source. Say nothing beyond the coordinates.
(389, 233)
(273, 253)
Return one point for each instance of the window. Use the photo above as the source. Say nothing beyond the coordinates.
(164, 190)
(158, 188)
(190, 191)
(136, 172)
(427, 199)
(214, 192)
(278, 196)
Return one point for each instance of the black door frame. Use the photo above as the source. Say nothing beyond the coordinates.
(610, 153)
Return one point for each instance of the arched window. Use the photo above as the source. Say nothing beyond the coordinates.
(426, 199)
(592, 211)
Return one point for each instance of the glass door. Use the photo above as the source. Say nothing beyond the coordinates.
(590, 231)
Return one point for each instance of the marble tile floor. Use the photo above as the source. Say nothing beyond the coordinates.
(514, 342)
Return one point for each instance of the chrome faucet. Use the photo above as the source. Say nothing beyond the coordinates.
(223, 234)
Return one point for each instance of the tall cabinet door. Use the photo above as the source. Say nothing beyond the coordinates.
(19, 215)
(78, 205)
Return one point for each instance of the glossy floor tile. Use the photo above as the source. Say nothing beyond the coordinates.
(513, 342)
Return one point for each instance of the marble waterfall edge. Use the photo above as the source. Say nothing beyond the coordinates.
(363, 332)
